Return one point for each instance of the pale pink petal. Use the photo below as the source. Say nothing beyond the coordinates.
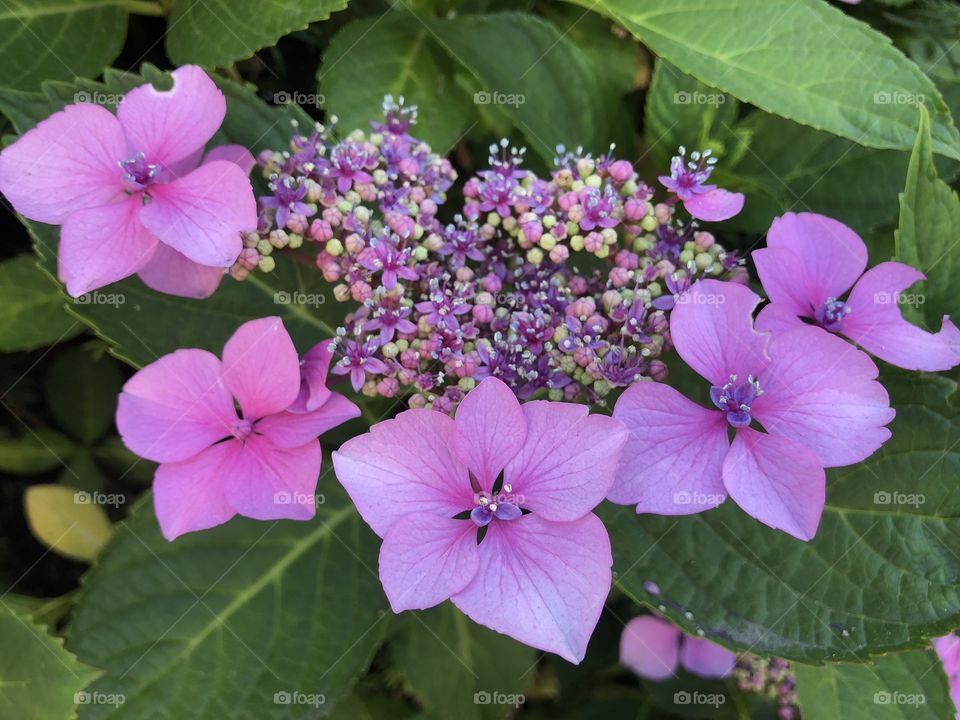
(822, 392)
(715, 205)
(948, 649)
(426, 558)
(876, 324)
(68, 162)
(101, 245)
(289, 429)
(402, 466)
(175, 407)
(203, 213)
(314, 368)
(950, 334)
(489, 430)
(674, 453)
(237, 154)
(568, 462)
(189, 495)
(778, 481)
(169, 125)
(265, 482)
(542, 582)
(712, 329)
(776, 318)
(261, 367)
(650, 647)
(785, 281)
(834, 255)
(706, 659)
(171, 272)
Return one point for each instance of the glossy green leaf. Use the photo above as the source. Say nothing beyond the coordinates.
(81, 388)
(881, 574)
(907, 686)
(250, 619)
(33, 311)
(801, 59)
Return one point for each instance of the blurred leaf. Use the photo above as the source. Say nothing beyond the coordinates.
(457, 668)
(544, 83)
(43, 611)
(58, 39)
(33, 313)
(36, 451)
(801, 59)
(394, 54)
(123, 464)
(928, 237)
(38, 676)
(287, 610)
(81, 472)
(882, 573)
(907, 685)
(60, 518)
(219, 32)
(81, 392)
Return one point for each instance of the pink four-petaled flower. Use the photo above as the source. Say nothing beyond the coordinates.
(179, 411)
(528, 477)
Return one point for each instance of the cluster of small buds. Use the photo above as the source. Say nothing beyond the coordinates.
(499, 290)
(772, 677)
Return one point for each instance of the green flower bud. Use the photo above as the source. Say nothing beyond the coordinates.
(267, 264)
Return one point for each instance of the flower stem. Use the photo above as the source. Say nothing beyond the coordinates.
(145, 7)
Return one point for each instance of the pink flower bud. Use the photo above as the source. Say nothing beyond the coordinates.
(567, 201)
(592, 241)
(559, 254)
(361, 291)
(388, 387)
(582, 308)
(354, 244)
(333, 216)
(703, 240)
(410, 359)
(409, 167)
(619, 277)
(663, 213)
(634, 209)
(627, 260)
(621, 171)
(491, 283)
(482, 314)
(320, 230)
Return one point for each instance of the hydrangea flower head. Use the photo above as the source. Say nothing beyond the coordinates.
(131, 192)
(654, 648)
(492, 509)
(214, 464)
(810, 263)
(798, 401)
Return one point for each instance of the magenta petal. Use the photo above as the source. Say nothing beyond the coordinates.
(712, 329)
(261, 368)
(716, 205)
(175, 407)
(489, 429)
(542, 582)
(189, 495)
(265, 482)
(289, 429)
(876, 324)
(403, 466)
(101, 245)
(568, 462)
(706, 659)
(674, 453)
(313, 378)
(169, 125)
(822, 392)
(203, 213)
(778, 481)
(834, 255)
(68, 162)
(426, 558)
(171, 272)
(236, 154)
(785, 281)
(650, 647)
(775, 318)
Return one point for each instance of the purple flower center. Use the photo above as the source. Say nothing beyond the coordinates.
(500, 504)
(734, 399)
(830, 315)
(138, 174)
(242, 429)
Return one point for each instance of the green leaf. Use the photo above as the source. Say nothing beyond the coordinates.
(457, 668)
(81, 472)
(66, 521)
(43, 611)
(36, 451)
(927, 236)
(58, 39)
(801, 59)
(219, 32)
(544, 83)
(33, 313)
(39, 679)
(246, 615)
(81, 391)
(881, 574)
(397, 55)
(908, 685)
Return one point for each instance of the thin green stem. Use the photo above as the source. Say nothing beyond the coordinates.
(145, 7)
